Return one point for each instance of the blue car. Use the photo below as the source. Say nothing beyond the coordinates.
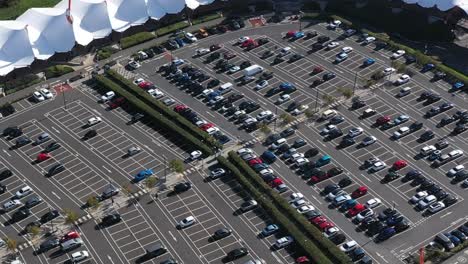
(260, 167)
(458, 86)
(348, 204)
(286, 86)
(298, 35)
(143, 175)
(270, 230)
(386, 234)
(428, 67)
(368, 62)
(324, 160)
(269, 157)
(180, 42)
(213, 94)
(455, 240)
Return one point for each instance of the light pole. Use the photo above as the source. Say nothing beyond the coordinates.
(355, 81)
(165, 167)
(276, 114)
(110, 188)
(300, 20)
(316, 99)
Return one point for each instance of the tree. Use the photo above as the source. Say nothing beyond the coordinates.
(92, 202)
(34, 230)
(71, 216)
(309, 113)
(400, 67)
(11, 244)
(287, 118)
(150, 182)
(329, 99)
(265, 129)
(177, 165)
(377, 75)
(346, 92)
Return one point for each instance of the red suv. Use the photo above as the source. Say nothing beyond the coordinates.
(359, 192)
(119, 101)
(180, 108)
(356, 209)
(291, 33)
(319, 177)
(325, 225)
(399, 164)
(276, 182)
(207, 126)
(382, 120)
(318, 220)
(43, 157)
(255, 161)
(317, 69)
(69, 235)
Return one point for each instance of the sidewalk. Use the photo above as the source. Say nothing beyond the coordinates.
(123, 53)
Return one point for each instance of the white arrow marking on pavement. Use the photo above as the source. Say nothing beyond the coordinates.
(58, 197)
(172, 235)
(6, 152)
(106, 169)
(210, 114)
(444, 215)
(55, 130)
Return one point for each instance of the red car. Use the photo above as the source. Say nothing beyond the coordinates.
(276, 182)
(247, 43)
(325, 225)
(252, 46)
(291, 33)
(318, 220)
(69, 235)
(382, 120)
(359, 192)
(43, 156)
(356, 209)
(319, 177)
(255, 161)
(207, 126)
(303, 260)
(317, 69)
(399, 164)
(180, 108)
(229, 55)
(145, 85)
(119, 101)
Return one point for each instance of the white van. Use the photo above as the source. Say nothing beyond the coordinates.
(252, 70)
(225, 88)
(284, 51)
(328, 114)
(71, 244)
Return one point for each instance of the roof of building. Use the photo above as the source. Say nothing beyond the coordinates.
(442, 5)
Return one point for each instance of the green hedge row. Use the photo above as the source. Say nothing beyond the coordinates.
(421, 58)
(164, 110)
(161, 120)
(302, 243)
(57, 70)
(136, 39)
(171, 28)
(206, 18)
(105, 53)
(321, 243)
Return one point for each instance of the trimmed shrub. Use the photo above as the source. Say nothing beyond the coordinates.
(206, 18)
(324, 245)
(171, 28)
(105, 53)
(163, 109)
(136, 39)
(57, 70)
(162, 121)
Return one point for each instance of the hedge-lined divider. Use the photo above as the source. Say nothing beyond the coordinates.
(314, 235)
(163, 109)
(161, 120)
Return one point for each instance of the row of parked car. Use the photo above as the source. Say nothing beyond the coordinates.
(446, 241)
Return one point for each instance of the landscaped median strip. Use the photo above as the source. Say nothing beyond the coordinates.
(308, 238)
(160, 119)
(163, 109)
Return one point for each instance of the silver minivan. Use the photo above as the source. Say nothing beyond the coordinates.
(71, 244)
(444, 241)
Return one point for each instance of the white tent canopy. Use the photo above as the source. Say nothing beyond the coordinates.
(41, 32)
(15, 49)
(49, 31)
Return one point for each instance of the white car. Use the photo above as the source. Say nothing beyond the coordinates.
(355, 131)
(178, 62)
(347, 49)
(186, 222)
(327, 129)
(142, 55)
(234, 69)
(452, 172)
(169, 101)
(397, 54)
(418, 197)
(201, 123)
(374, 202)
(283, 242)
(330, 232)
(283, 98)
(298, 203)
(242, 40)
(369, 40)
(350, 32)
(455, 153)
(341, 57)
(333, 44)
(403, 79)
(389, 70)
(216, 173)
(46, 93)
(134, 65)
(190, 37)
(107, 96)
(264, 114)
(403, 131)
(265, 172)
(202, 51)
(295, 197)
(12, 204)
(38, 97)
(305, 208)
(23, 192)
(334, 24)
(299, 110)
(249, 121)
(301, 161)
(296, 156)
(436, 207)
(427, 150)
(261, 85)
(367, 141)
(243, 151)
(79, 256)
(348, 246)
(94, 120)
(156, 93)
(364, 214)
(426, 201)
(212, 130)
(378, 166)
(195, 154)
(138, 81)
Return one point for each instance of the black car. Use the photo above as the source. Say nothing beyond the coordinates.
(20, 214)
(32, 201)
(445, 121)
(233, 97)
(386, 213)
(262, 41)
(293, 105)
(5, 174)
(111, 219)
(266, 76)
(267, 54)
(426, 185)
(311, 34)
(272, 91)
(299, 143)
(311, 152)
(283, 148)
(427, 135)
(375, 228)
(278, 60)
(287, 132)
(438, 75)
(411, 175)
(51, 147)
(449, 200)
(57, 168)
(317, 46)
(323, 39)
(401, 226)
(358, 104)
(49, 244)
(334, 171)
(459, 128)
(346, 181)
(51, 215)
(330, 188)
(328, 76)
(410, 59)
(182, 187)
(221, 233)
(3, 188)
(460, 176)
(338, 239)
(245, 64)
(335, 133)
(434, 189)
(346, 142)
(272, 138)
(433, 98)
(416, 126)
(31, 225)
(135, 118)
(22, 141)
(312, 214)
(441, 195)
(212, 83)
(424, 95)
(12, 132)
(90, 134)
(441, 144)
(295, 57)
(236, 253)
